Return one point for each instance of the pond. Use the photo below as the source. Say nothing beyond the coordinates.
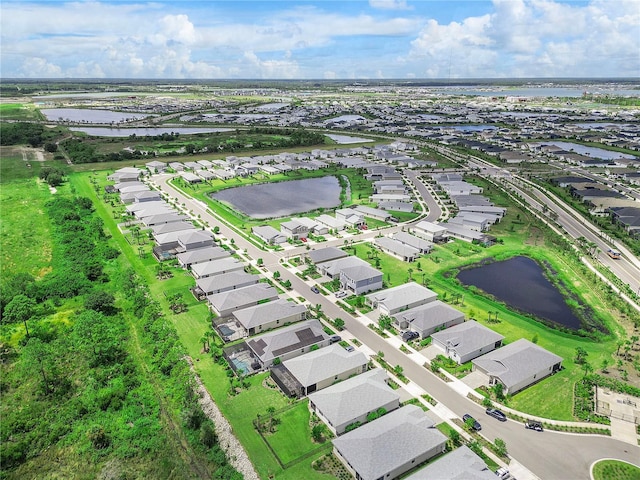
(282, 199)
(521, 284)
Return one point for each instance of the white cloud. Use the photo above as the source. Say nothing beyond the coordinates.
(389, 4)
(534, 38)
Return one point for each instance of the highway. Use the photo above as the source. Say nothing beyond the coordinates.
(549, 455)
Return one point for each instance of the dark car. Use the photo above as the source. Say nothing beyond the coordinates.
(533, 425)
(315, 290)
(497, 414)
(407, 336)
(335, 339)
(476, 425)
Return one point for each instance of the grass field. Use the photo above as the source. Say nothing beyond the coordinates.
(19, 111)
(25, 231)
(615, 470)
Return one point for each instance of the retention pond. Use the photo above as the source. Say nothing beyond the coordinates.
(521, 284)
(282, 199)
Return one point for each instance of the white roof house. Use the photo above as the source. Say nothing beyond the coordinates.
(461, 464)
(466, 341)
(217, 267)
(400, 250)
(428, 318)
(403, 297)
(350, 401)
(270, 315)
(429, 231)
(391, 445)
(518, 365)
(225, 303)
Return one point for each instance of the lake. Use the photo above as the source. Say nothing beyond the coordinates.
(142, 131)
(520, 283)
(282, 199)
(89, 115)
(589, 151)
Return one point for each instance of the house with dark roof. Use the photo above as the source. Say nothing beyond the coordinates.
(517, 365)
(321, 368)
(270, 315)
(352, 400)
(288, 342)
(403, 297)
(461, 464)
(391, 445)
(466, 341)
(225, 303)
(428, 318)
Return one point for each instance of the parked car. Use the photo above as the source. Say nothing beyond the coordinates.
(349, 348)
(502, 473)
(335, 338)
(341, 294)
(497, 414)
(315, 290)
(408, 336)
(476, 425)
(534, 425)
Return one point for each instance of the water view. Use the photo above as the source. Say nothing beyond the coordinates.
(520, 283)
(590, 151)
(141, 132)
(273, 200)
(88, 115)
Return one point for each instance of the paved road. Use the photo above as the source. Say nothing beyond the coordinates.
(549, 455)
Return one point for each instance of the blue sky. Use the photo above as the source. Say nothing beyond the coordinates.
(322, 39)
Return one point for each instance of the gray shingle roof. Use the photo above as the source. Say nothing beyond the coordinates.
(326, 254)
(202, 254)
(389, 442)
(327, 362)
(430, 315)
(517, 361)
(405, 294)
(461, 464)
(467, 337)
(214, 267)
(242, 296)
(268, 312)
(354, 397)
(396, 247)
(284, 340)
(226, 281)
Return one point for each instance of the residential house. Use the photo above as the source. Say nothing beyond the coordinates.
(332, 268)
(196, 239)
(517, 365)
(325, 254)
(217, 267)
(126, 174)
(429, 231)
(191, 177)
(461, 232)
(270, 315)
(294, 229)
(403, 297)
(466, 341)
(391, 445)
(472, 221)
(428, 318)
(288, 342)
(400, 250)
(423, 246)
(374, 213)
(223, 282)
(225, 303)
(360, 279)
(171, 227)
(201, 255)
(332, 223)
(162, 218)
(156, 166)
(351, 401)
(322, 368)
(460, 464)
(350, 217)
(268, 234)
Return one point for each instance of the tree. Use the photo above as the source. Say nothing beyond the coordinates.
(604, 365)
(317, 433)
(260, 262)
(177, 303)
(287, 284)
(455, 437)
(469, 423)
(500, 447)
(498, 390)
(20, 309)
(339, 323)
(581, 355)
(95, 336)
(276, 274)
(36, 358)
(398, 370)
(100, 301)
(586, 366)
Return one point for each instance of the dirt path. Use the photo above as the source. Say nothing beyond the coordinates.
(236, 453)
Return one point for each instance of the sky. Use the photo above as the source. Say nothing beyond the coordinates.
(321, 39)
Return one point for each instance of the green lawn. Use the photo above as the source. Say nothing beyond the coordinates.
(615, 470)
(292, 439)
(25, 229)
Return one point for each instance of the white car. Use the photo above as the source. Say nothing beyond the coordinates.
(341, 294)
